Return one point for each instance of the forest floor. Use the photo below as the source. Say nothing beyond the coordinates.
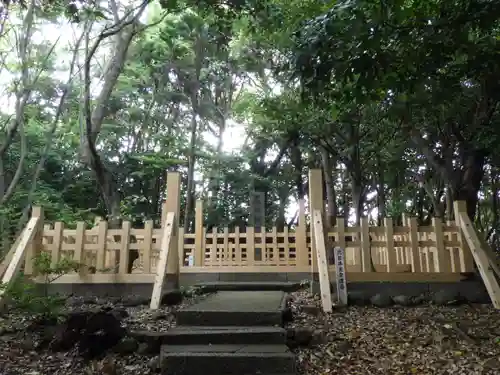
(423, 340)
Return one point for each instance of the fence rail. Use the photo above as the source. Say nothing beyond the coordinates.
(408, 248)
(389, 252)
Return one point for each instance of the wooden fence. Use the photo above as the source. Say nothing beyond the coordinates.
(392, 249)
(373, 253)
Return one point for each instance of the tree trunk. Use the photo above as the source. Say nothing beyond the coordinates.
(331, 209)
(190, 178)
(467, 187)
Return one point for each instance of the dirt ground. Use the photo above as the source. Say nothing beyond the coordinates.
(421, 340)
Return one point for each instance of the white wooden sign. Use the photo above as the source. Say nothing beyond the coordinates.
(339, 254)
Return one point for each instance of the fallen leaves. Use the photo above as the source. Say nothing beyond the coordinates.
(422, 340)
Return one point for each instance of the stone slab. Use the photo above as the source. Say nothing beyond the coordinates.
(226, 360)
(241, 308)
(188, 335)
(252, 277)
(249, 286)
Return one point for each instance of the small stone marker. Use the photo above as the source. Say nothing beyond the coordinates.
(339, 254)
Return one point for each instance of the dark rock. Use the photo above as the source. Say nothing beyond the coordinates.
(477, 296)
(27, 344)
(304, 336)
(118, 312)
(172, 297)
(381, 300)
(358, 298)
(311, 309)
(445, 297)
(154, 363)
(151, 339)
(143, 348)
(287, 315)
(93, 331)
(89, 300)
(343, 346)
(159, 315)
(127, 345)
(403, 300)
(319, 337)
(133, 301)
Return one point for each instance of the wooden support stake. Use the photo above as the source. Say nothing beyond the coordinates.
(165, 251)
(464, 253)
(481, 258)
(35, 244)
(173, 204)
(6, 260)
(324, 277)
(19, 253)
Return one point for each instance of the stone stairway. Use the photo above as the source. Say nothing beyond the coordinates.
(230, 333)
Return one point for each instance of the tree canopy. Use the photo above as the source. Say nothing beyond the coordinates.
(396, 101)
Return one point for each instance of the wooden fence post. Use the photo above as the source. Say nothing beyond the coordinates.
(442, 261)
(389, 238)
(465, 254)
(366, 265)
(146, 246)
(35, 246)
(199, 253)
(415, 258)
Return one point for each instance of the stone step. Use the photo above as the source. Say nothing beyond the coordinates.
(227, 360)
(248, 308)
(189, 335)
(215, 286)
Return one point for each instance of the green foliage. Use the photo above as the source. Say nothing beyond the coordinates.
(33, 298)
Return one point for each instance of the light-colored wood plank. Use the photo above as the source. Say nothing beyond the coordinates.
(19, 253)
(301, 250)
(147, 245)
(102, 242)
(442, 261)
(415, 262)
(365, 245)
(36, 243)
(124, 248)
(199, 256)
(391, 253)
(464, 252)
(161, 268)
(481, 258)
(56, 243)
(324, 277)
